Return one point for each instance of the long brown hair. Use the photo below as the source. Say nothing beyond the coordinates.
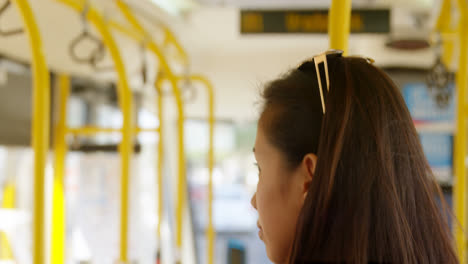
(373, 197)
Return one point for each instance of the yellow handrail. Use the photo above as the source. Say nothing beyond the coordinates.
(172, 78)
(60, 152)
(40, 127)
(92, 130)
(145, 130)
(125, 102)
(129, 32)
(443, 27)
(339, 24)
(443, 21)
(171, 39)
(210, 232)
(182, 182)
(182, 188)
(459, 189)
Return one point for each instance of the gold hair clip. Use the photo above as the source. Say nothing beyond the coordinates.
(322, 58)
(369, 60)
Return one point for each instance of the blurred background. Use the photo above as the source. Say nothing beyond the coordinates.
(127, 126)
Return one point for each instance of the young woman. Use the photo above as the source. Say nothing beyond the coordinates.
(342, 175)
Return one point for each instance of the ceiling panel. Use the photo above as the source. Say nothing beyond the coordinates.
(59, 25)
(268, 3)
(310, 3)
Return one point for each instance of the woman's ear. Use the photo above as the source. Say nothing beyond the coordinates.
(309, 163)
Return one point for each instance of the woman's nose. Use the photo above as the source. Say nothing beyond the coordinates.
(254, 201)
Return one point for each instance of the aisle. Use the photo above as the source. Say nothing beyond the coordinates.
(255, 249)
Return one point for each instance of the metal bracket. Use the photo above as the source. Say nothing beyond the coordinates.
(438, 80)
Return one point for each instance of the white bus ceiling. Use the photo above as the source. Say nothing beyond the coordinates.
(209, 31)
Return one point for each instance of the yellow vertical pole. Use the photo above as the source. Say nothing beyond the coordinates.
(447, 52)
(210, 232)
(459, 190)
(443, 25)
(60, 150)
(126, 146)
(443, 21)
(126, 106)
(339, 19)
(182, 182)
(8, 202)
(160, 162)
(173, 79)
(40, 127)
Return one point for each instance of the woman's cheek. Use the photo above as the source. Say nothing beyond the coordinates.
(268, 214)
(277, 218)
(276, 232)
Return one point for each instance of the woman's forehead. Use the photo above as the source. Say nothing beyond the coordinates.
(262, 144)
